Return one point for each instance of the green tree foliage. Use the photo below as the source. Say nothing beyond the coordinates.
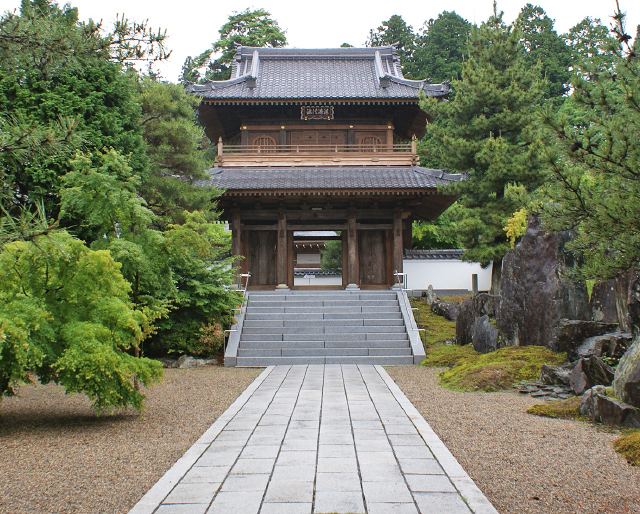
(85, 138)
(443, 47)
(542, 44)
(65, 314)
(178, 153)
(487, 136)
(593, 185)
(589, 40)
(396, 31)
(178, 274)
(331, 256)
(246, 28)
(62, 75)
(438, 234)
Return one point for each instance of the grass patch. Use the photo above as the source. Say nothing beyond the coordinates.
(436, 328)
(495, 371)
(629, 447)
(566, 409)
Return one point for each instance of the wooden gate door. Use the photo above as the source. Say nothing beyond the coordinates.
(261, 255)
(372, 255)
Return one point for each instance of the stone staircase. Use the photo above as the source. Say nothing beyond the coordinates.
(323, 327)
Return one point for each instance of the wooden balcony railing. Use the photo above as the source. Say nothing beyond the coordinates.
(399, 154)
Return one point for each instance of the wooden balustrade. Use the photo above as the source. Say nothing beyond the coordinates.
(400, 154)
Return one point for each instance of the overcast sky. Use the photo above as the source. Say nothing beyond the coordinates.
(193, 26)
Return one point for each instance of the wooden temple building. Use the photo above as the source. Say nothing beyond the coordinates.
(321, 140)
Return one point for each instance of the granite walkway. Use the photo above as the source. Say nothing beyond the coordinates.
(317, 439)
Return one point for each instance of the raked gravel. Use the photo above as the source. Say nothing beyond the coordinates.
(57, 456)
(521, 462)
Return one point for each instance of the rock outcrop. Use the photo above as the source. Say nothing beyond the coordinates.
(590, 372)
(534, 296)
(555, 375)
(464, 322)
(612, 345)
(484, 336)
(602, 408)
(448, 310)
(626, 384)
(571, 333)
(603, 302)
(430, 295)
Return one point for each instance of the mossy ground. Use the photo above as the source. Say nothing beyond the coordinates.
(470, 370)
(629, 446)
(495, 371)
(567, 409)
(436, 328)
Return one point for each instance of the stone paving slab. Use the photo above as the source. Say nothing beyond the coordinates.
(314, 439)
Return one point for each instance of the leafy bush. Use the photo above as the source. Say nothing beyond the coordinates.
(65, 315)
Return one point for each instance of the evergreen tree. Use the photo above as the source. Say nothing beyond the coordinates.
(593, 184)
(442, 48)
(487, 136)
(246, 28)
(542, 44)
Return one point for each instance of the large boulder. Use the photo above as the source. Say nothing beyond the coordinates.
(604, 409)
(534, 295)
(633, 303)
(626, 384)
(617, 413)
(571, 333)
(612, 345)
(589, 402)
(555, 375)
(603, 302)
(484, 336)
(590, 372)
(464, 322)
(485, 303)
(448, 310)
(430, 295)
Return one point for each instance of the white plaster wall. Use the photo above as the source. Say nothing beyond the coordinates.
(445, 274)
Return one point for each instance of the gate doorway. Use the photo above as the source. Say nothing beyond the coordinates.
(318, 259)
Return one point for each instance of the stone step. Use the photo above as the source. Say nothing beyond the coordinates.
(274, 345)
(384, 360)
(276, 323)
(297, 296)
(318, 310)
(318, 316)
(326, 352)
(324, 337)
(325, 329)
(321, 304)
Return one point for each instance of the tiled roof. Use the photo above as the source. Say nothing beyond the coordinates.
(323, 74)
(433, 254)
(327, 179)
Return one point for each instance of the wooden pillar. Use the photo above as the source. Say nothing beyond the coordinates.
(352, 250)
(397, 240)
(236, 242)
(281, 251)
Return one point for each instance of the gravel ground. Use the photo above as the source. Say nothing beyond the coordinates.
(57, 456)
(524, 463)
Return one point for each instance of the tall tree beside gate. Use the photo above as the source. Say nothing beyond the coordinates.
(488, 137)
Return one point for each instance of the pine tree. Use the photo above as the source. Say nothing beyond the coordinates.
(593, 185)
(442, 48)
(486, 136)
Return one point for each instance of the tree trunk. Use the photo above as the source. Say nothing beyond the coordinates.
(496, 277)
